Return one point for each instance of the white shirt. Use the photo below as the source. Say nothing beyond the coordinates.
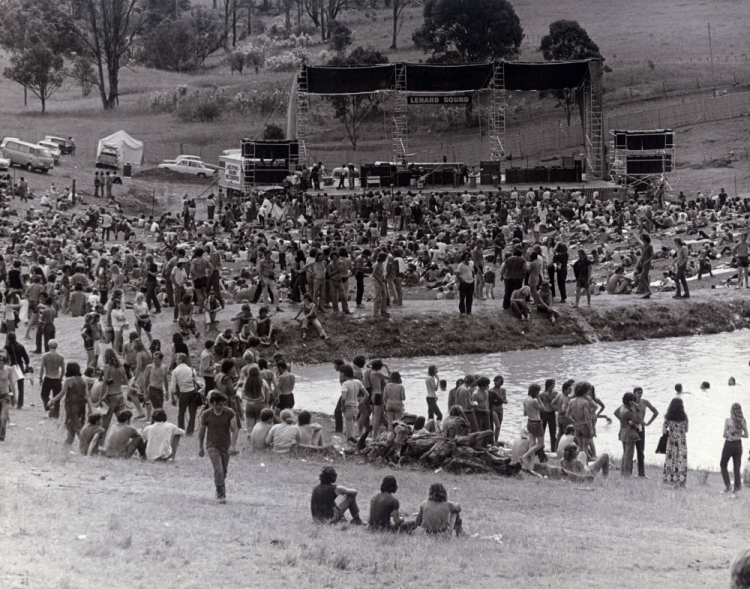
(158, 438)
(183, 380)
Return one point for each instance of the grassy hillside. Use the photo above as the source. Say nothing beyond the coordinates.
(659, 54)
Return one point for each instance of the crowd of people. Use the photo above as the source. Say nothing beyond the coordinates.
(113, 272)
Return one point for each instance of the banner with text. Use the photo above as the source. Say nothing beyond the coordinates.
(451, 99)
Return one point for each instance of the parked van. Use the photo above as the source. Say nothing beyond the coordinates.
(27, 155)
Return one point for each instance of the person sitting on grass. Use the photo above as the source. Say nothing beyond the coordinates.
(740, 571)
(456, 423)
(91, 433)
(123, 439)
(309, 314)
(285, 435)
(212, 308)
(544, 302)
(384, 510)
(266, 332)
(577, 463)
(162, 438)
(185, 316)
(311, 434)
(260, 430)
(323, 504)
(567, 438)
(518, 302)
(437, 515)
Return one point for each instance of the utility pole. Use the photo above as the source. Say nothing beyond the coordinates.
(711, 54)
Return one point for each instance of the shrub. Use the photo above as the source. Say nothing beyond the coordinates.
(236, 61)
(288, 61)
(340, 35)
(273, 131)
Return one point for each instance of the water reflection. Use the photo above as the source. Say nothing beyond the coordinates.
(613, 368)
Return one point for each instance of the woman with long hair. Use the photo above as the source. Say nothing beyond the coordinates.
(74, 392)
(735, 428)
(676, 427)
(113, 378)
(394, 396)
(142, 316)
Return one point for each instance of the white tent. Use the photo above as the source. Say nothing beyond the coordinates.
(129, 150)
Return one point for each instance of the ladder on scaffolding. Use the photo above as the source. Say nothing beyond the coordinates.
(497, 112)
(400, 131)
(303, 111)
(594, 131)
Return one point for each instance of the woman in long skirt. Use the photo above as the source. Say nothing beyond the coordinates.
(676, 427)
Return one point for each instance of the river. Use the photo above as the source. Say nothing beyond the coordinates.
(613, 368)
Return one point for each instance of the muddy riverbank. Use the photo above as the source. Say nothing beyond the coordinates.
(430, 328)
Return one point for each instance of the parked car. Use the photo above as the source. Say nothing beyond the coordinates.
(27, 155)
(107, 157)
(66, 146)
(4, 163)
(54, 149)
(189, 164)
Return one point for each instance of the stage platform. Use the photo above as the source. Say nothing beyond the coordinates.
(585, 186)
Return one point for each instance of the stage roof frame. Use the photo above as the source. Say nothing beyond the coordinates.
(446, 79)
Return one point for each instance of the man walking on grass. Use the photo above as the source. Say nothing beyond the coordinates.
(219, 431)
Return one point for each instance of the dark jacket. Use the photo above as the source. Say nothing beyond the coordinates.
(515, 268)
(17, 355)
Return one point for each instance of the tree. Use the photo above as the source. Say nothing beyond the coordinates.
(469, 31)
(350, 110)
(83, 74)
(182, 45)
(107, 30)
(398, 9)
(38, 69)
(567, 40)
(340, 36)
(273, 132)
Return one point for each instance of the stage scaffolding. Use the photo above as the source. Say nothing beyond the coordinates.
(496, 78)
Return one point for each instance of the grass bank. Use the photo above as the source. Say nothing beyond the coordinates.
(431, 328)
(69, 521)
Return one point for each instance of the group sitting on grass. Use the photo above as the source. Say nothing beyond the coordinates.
(330, 503)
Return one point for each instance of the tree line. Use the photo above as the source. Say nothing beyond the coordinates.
(99, 37)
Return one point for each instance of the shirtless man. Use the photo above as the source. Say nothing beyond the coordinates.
(156, 383)
(741, 252)
(51, 375)
(579, 410)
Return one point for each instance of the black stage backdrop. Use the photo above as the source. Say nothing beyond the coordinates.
(446, 78)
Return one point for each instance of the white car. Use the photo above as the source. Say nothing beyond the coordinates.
(53, 148)
(4, 163)
(189, 164)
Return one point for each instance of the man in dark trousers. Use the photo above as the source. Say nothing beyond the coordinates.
(219, 431)
(515, 270)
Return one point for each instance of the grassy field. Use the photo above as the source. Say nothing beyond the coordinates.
(70, 522)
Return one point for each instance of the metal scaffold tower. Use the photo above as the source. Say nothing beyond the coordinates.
(592, 97)
(497, 112)
(303, 110)
(400, 121)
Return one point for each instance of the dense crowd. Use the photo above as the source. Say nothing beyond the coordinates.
(118, 273)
